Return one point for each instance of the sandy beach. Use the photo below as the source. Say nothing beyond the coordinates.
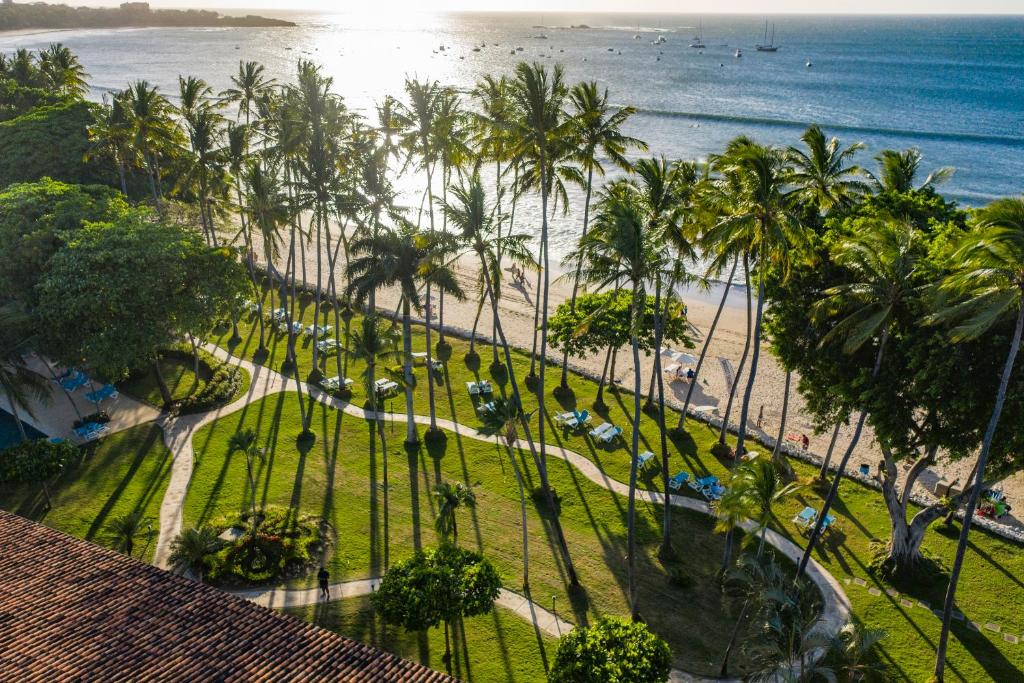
(516, 309)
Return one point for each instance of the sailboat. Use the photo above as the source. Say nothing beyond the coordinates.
(768, 45)
(698, 40)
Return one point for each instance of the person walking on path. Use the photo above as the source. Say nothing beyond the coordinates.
(325, 579)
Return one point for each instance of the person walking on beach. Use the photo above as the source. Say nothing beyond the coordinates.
(805, 440)
(325, 578)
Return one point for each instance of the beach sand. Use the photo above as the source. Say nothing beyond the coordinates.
(516, 308)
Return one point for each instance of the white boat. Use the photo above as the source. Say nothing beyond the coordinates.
(769, 44)
(698, 40)
(661, 40)
(809, 64)
(738, 53)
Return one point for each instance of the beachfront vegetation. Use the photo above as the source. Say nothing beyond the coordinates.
(879, 295)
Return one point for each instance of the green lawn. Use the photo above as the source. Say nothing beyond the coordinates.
(127, 471)
(993, 570)
(380, 517)
(488, 649)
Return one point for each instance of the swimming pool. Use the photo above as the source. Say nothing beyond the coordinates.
(9, 430)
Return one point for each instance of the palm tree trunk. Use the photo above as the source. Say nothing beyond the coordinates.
(599, 401)
(972, 503)
(161, 384)
(543, 301)
(745, 411)
(634, 452)
(511, 225)
(536, 318)
(564, 384)
(476, 322)
(779, 460)
(67, 394)
(524, 422)
(834, 489)
(823, 472)
(666, 521)
(318, 218)
(410, 425)
(522, 513)
(743, 359)
(195, 364)
(707, 345)
(724, 671)
(17, 418)
(121, 177)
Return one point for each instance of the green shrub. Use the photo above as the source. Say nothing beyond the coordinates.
(49, 142)
(613, 649)
(285, 545)
(219, 390)
(35, 461)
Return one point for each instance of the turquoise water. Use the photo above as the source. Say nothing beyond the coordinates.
(951, 86)
(9, 431)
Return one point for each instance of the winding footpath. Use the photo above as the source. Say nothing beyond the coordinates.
(178, 432)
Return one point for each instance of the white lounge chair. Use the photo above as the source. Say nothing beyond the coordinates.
(599, 430)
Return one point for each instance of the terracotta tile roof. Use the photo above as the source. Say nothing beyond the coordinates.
(74, 611)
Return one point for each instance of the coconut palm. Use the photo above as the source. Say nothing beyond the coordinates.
(245, 441)
(195, 95)
(849, 652)
(986, 287)
(623, 247)
(823, 173)
(760, 223)
(881, 263)
(596, 128)
(898, 171)
(250, 84)
(110, 136)
(18, 383)
(755, 488)
(472, 215)
(502, 419)
(206, 165)
(449, 498)
(153, 130)
(192, 548)
(124, 529)
(23, 70)
(62, 72)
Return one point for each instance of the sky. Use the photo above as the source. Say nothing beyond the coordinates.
(632, 6)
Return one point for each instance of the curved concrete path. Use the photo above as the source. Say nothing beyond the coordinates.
(178, 437)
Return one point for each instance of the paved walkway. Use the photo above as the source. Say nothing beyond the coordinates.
(178, 436)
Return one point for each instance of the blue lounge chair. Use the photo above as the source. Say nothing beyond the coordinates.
(578, 419)
(102, 394)
(598, 431)
(713, 492)
(676, 482)
(90, 430)
(806, 517)
(828, 523)
(79, 379)
(610, 435)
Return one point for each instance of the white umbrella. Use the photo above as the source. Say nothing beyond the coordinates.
(679, 357)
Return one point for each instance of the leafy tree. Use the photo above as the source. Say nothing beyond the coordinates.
(435, 586)
(192, 548)
(120, 291)
(613, 650)
(18, 383)
(36, 462)
(50, 141)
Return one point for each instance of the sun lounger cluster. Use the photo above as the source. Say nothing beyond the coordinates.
(479, 388)
(808, 517)
(573, 419)
(279, 315)
(385, 387)
(90, 431)
(102, 394)
(708, 486)
(421, 356)
(72, 379)
(336, 383)
(296, 327)
(606, 433)
(318, 331)
(486, 407)
(328, 346)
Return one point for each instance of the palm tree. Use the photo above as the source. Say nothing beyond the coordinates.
(596, 129)
(502, 419)
(62, 71)
(755, 488)
(250, 84)
(849, 652)
(111, 136)
(881, 262)
(450, 497)
(206, 163)
(623, 247)
(152, 129)
(18, 383)
(986, 287)
(245, 441)
(471, 214)
(823, 174)
(124, 529)
(898, 171)
(192, 548)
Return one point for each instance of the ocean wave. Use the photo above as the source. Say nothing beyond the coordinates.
(983, 138)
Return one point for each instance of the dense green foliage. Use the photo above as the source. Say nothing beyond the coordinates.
(120, 291)
(36, 219)
(50, 141)
(16, 99)
(613, 650)
(285, 545)
(35, 461)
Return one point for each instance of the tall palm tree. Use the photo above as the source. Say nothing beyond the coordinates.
(823, 173)
(62, 71)
(111, 137)
(502, 420)
(124, 529)
(192, 548)
(471, 214)
(250, 84)
(153, 130)
(898, 171)
(18, 383)
(596, 129)
(882, 264)
(246, 442)
(623, 247)
(450, 497)
(985, 288)
(206, 165)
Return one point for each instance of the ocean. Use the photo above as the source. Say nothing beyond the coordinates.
(952, 87)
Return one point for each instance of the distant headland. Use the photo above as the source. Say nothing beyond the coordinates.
(16, 16)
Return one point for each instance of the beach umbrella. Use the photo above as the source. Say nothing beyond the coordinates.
(679, 357)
